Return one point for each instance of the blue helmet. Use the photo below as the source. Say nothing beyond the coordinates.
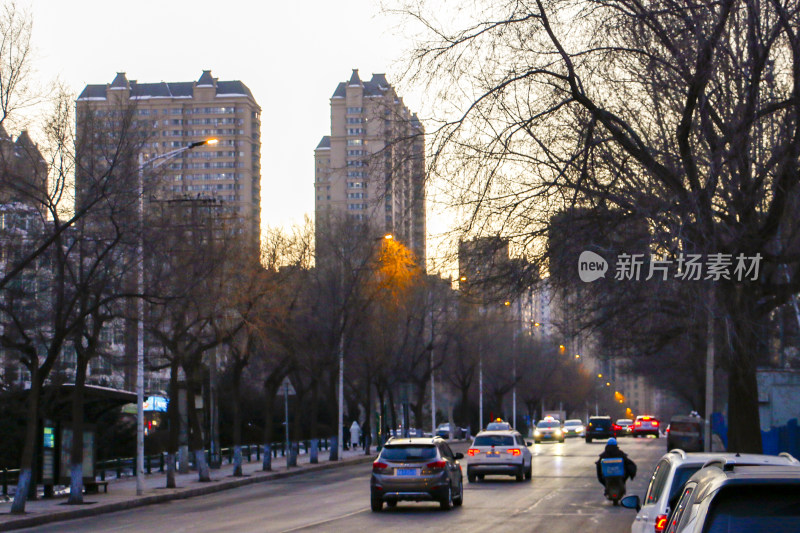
(612, 441)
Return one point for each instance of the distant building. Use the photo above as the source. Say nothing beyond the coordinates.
(371, 169)
(171, 115)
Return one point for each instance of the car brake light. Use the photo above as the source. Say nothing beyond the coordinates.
(645, 418)
(616, 427)
(472, 452)
(637, 424)
(377, 467)
(436, 465)
(514, 451)
(655, 423)
(661, 523)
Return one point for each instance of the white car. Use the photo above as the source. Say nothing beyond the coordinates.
(671, 473)
(501, 452)
(548, 429)
(573, 428)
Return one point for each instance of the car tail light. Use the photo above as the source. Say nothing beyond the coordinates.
(437, 465)
(377, 466)
(637, 423)
(655, 423)
(472, 452)
(661, 523)
(616, 427)
(645, 418)
(514, 451)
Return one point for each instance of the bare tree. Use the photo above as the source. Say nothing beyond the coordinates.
(685, 117)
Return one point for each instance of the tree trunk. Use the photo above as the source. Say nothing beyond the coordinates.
(196, 434)
(173, 415)
(392, 412)
(26, 464)
(313, 422)
(238, 367)
(269, 406)
(366, 430)
(76, 456)
(744, 427)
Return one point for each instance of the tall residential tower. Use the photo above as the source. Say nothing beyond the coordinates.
(371, 169)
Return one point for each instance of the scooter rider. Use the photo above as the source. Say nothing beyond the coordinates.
(612, 450)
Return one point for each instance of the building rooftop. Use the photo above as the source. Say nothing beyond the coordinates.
(182, 89)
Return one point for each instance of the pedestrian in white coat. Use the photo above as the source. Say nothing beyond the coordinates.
(355, 434)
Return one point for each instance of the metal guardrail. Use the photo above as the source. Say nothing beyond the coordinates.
(125, 466)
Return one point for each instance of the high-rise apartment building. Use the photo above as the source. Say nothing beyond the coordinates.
(371, 169)
(173, 115)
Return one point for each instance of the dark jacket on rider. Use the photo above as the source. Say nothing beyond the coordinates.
(611, 451)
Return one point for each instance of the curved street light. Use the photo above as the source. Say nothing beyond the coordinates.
(154, 163)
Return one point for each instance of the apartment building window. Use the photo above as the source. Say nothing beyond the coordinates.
(355, 120)
(356, 185)
(354, 142)
(354, 110)
(356, 174)
(354, 152)
(356, 163)
(355, 131)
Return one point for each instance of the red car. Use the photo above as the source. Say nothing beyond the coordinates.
(646, 425)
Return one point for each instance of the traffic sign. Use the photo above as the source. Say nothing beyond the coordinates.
(287, 387)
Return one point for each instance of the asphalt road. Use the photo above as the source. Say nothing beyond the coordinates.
(563, 497)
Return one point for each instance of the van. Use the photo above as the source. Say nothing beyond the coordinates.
(686, 433)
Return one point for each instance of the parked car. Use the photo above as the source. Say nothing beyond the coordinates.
(623, 427)
(646, 425)
(548, 429)
(686, 433)
(573, 428)
(599, 427)
(444, 431)
(501, 452)
(672, 471)
(728, 497)
(418, 469)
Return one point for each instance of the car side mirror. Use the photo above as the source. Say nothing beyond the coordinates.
(459, 455)
(528, 443)
(631, 502)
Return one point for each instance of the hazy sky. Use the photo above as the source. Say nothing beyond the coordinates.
(290, 54)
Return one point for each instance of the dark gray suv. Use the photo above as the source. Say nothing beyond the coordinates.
(416, 469)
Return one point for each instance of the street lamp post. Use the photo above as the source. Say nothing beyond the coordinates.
(156, 162)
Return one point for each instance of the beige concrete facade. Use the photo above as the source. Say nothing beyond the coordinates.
(371, 168)
(178, 114)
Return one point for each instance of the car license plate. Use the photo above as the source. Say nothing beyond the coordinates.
(407, 471)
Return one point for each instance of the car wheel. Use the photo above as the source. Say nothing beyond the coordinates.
(529, 473)
(458, 501)
(480, 476)
(446, 503)
(561, 441)
(537, 442)
(658, 436)
(588, 440)
(376, 504)
(520, 473)
(470, 476)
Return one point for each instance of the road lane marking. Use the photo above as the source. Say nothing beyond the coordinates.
(326, 521)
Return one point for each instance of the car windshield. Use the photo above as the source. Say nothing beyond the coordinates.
(545, 424)
(624, 422)
(755, 509)
(493, 440)
(408, 453)
(573, 423)
(687, 427)
(600, 422)
(498, 426)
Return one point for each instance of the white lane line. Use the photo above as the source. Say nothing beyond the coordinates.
(327, 520)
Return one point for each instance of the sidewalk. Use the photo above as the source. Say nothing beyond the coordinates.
(122, 492)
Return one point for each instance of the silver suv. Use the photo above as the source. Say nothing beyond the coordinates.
(416, 469)
(733, 498)
(671, 473)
